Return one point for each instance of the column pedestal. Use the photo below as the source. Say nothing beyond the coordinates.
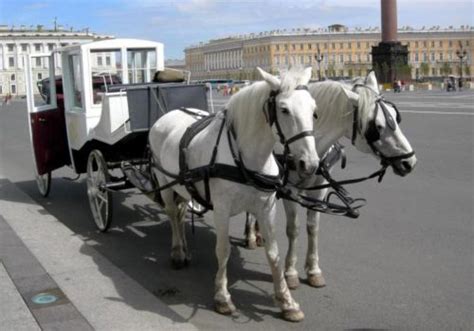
(387, 60)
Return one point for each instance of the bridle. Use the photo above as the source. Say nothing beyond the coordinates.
(372, 134)
(270, 112)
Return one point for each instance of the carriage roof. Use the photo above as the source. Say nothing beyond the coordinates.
(111, 44)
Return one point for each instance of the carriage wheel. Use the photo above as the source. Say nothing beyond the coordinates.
(100, 199)
(43, 182)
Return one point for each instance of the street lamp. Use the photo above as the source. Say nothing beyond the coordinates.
(319, 57)
(461, 54)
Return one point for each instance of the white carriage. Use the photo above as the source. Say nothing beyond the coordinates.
(97, 114)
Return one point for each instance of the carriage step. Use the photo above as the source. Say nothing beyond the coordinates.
(138, 179)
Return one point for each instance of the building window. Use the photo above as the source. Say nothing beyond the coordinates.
(12, 77)
(107, 60)
(433, 71)
(440, 43)
(64, 44)
(11, 47)
(40, 76)
(38, 62)
(450, 43)
(37, 47)
(11, 61)
(1, 89)
(416, 44)
(310, 59)
(24, 47)
(301, 47)
(425, 44)
(341, 58)
(349, 45)
(433, 57)
(325, 45)
(99, 61)
(341, 45)
(293, 46)
(333, 45)
(441, 56)
(425, 58)
(50, 47)
(277, 47)
(416, 57)
(286, 47)
(432, 44)
(358, 45)
(309, 46)
(13, 89)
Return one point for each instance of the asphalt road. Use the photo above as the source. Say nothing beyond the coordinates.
(406, 263)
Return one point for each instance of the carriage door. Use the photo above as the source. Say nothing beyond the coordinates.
(46, 113)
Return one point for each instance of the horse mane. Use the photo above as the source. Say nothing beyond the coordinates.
(333, 108)
(245, 108)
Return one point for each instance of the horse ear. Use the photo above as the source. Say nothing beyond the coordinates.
(371, 81)
(270, 79)
(352, 96)
(306, 76)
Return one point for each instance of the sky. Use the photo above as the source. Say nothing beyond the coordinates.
(179, 24)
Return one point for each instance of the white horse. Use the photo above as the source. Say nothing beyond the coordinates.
(249, 139)
(357, 112)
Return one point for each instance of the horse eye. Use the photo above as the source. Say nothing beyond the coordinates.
(379, 127)
(285, 111)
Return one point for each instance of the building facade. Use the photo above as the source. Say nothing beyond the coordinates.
(342, 52)
(16, 43)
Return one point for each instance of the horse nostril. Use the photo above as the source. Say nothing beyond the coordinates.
(406, 165)
(302, 164)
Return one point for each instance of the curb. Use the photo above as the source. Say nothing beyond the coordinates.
(74, 267)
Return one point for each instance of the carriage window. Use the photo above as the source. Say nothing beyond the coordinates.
(105, 73)
(141, 65)
(42, 95)
(76, 78)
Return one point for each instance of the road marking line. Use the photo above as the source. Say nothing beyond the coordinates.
(436, 112)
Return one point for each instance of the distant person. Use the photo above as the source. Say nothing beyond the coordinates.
(460, 83)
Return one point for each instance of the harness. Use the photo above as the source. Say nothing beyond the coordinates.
(238, 173)
(350, 206)
(372, 135)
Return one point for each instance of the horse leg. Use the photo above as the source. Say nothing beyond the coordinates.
(315, 275)
(292, 232)
(178, 242)
(250, 232)
(222, 299)
(290, 308)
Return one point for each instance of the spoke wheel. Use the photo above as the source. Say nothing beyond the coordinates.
(100, 199)
(43, 182)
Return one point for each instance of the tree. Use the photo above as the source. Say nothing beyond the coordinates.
(424, 69)
(445, 69)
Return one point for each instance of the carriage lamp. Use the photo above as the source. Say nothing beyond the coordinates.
(319, 57)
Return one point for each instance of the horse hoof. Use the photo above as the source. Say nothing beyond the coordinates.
(316, 280)
(293, 315)
(225, 308)
(293, 282)
(252, 245)
(178, 263)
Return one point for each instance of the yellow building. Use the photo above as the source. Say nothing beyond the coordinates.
(344, 52)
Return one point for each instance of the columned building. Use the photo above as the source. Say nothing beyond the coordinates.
(345, 53)
(16, 43)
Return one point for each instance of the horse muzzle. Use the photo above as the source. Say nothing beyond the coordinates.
(307, 165)
(404, 166)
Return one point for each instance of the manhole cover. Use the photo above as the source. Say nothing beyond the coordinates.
(44, 298)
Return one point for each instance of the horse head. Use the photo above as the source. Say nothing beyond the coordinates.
(289, 111)
(376, 127)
